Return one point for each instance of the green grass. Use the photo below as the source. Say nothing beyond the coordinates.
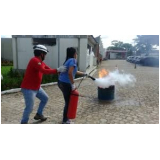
(5, 69)
(13, 78)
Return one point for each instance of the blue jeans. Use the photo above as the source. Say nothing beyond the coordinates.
(66, 90)
(29, 97)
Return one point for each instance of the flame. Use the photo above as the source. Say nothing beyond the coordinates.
(103, 73)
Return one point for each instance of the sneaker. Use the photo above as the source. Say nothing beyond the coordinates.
(67, 122)
(40, 117)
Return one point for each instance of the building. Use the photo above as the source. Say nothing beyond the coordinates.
(6, 49)
(102, 53)
(116, 54)
(92, 51)
(57, 44)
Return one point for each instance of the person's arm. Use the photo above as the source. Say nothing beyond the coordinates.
(47, 67)
(81, 73)
(48, 70)
(70, 74)
(40, 66)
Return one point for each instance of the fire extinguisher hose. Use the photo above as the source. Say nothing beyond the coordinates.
(80, 82)
(80, 95)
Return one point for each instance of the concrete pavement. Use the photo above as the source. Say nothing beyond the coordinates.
(138, 105)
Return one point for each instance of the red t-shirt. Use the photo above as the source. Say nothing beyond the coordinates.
(34, 73)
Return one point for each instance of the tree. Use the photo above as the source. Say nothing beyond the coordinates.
(145, 43)
(127, 46)
(118, 45)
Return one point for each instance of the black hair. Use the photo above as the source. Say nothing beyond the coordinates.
(38, 52)
(70, 53)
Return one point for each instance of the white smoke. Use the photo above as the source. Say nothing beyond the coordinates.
(114, 78)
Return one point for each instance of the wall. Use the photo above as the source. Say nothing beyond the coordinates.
(102, 50)
(83, 54)
(112, 55)
(88, 59)
(74, 42)
(64, 44)
(6, 49)
(23, 52)
(91, 59)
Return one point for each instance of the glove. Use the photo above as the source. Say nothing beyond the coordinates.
(62, 69)
(73, 87)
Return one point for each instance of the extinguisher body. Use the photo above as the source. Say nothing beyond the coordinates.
(73, 103)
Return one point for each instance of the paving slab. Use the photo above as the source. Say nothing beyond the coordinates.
(137, 105)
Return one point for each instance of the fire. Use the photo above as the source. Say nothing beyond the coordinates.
(103, 73)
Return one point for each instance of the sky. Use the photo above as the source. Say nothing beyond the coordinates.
(6, 36)
(107, 39)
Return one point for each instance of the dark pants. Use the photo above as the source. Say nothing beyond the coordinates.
(66, 90)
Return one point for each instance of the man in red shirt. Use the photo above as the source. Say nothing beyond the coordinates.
(30, 86)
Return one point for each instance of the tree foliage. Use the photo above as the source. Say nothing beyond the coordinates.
(145, 43)
(118, 45)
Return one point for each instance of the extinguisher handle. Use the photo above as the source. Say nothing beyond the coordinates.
(74, 90)
(73, 87)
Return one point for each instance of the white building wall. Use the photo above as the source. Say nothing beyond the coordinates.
(52, 57)
(64, 44)
(112, 55)
(91, 59)
(88, 59)
(23, 52)
(14, 53)
(83, 54)
(6, 49)
(73, 42)
(95, 61)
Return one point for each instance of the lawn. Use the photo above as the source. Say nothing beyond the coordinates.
(5, 69)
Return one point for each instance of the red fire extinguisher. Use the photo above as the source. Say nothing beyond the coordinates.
(73, 103)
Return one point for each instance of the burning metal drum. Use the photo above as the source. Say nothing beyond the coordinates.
(106, 93)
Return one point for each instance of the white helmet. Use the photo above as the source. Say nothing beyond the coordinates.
(41, 48)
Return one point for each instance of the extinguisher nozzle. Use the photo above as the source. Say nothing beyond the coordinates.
(92, 78)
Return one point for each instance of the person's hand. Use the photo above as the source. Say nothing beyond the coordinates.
(73, 87)
(62, 69)
(85, 75)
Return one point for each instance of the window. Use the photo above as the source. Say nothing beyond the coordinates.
(44, 41)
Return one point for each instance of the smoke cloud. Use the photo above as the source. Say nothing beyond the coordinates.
(114, 78)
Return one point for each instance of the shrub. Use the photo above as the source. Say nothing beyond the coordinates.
(5, 62)
(49, 78)
(10, 83)
(13, 79)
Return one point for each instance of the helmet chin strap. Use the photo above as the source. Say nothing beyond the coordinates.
(42, 57)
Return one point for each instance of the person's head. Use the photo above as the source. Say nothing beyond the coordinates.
(40, 51)
(71, 53)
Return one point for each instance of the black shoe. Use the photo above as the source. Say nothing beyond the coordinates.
(40, 117)
(67, 122)
(24, 123)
